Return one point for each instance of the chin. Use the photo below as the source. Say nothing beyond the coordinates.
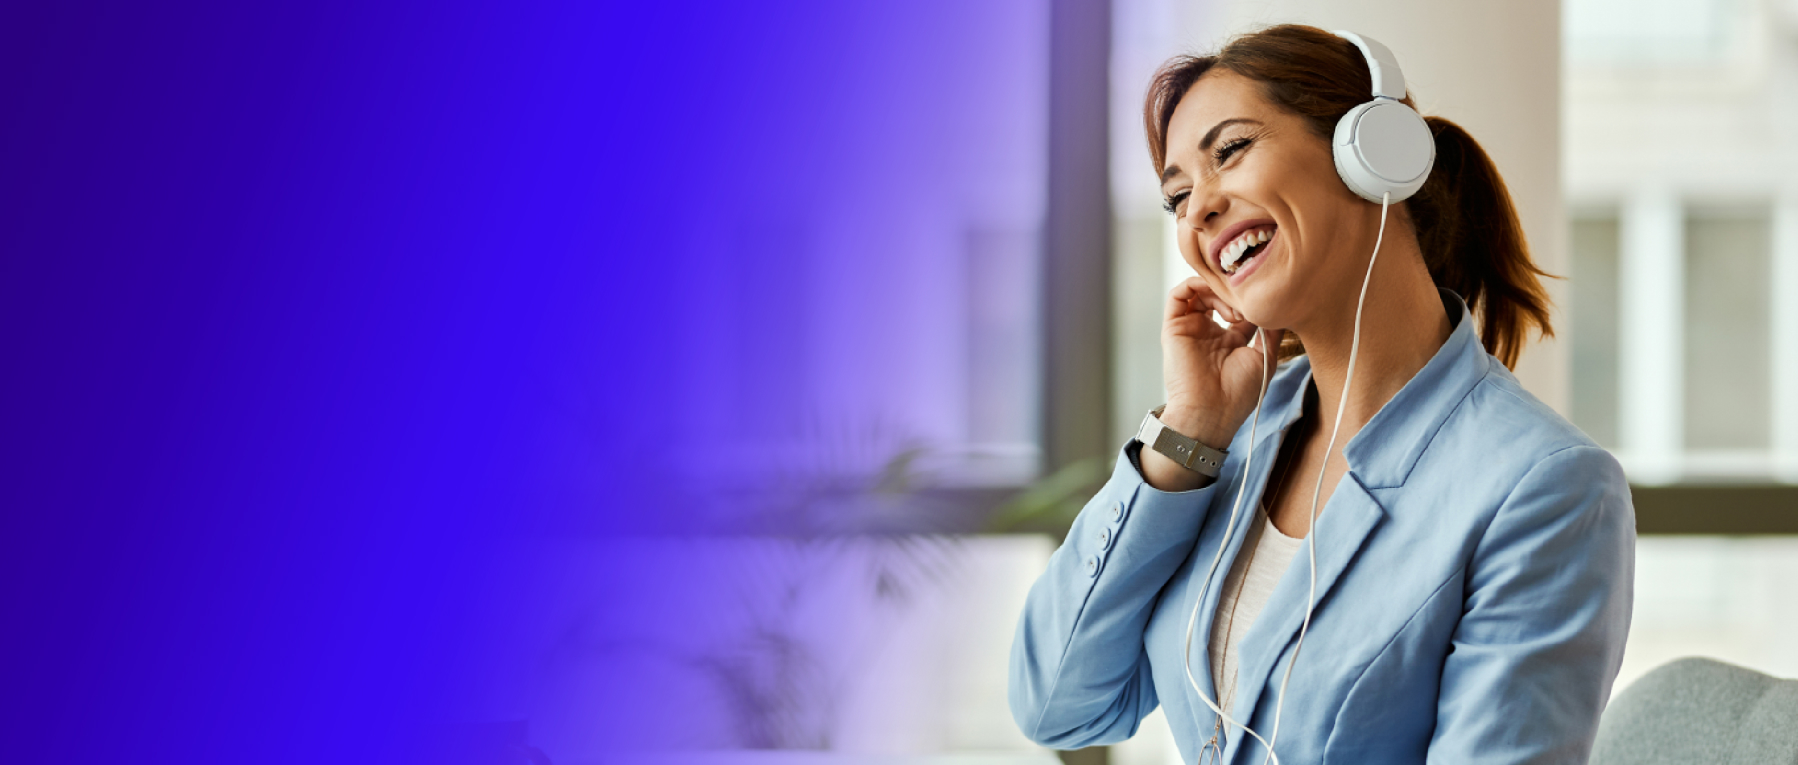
(1266, 308)
(1263, 289)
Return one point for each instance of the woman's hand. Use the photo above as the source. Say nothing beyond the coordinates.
(1212, 375)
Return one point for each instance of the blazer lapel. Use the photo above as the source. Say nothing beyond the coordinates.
(1209, 539)
(1343, 525)
(1288, 396)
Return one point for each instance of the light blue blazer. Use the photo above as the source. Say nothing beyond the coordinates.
(1474, 579)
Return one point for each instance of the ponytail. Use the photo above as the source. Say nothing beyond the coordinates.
(1466, 226)
(1473, 243)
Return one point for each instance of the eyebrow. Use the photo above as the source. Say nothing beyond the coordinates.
(1206, 142)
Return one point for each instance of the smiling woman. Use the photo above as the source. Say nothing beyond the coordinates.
(1305, 79)
(1464, 594)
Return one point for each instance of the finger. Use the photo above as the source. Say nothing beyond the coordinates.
(1191, 295)
(1197, 326)
(1188, 288)
(1196, 294)
(1242, 332)
(1200, 321)
(1178, 304)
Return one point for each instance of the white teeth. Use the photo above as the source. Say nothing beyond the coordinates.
(1233, 252)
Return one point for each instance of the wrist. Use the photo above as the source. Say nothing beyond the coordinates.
(1197, 424)
(1164, 474)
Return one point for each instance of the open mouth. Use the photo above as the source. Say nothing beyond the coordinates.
(1243, 250)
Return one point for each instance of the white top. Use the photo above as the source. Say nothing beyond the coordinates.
(1263, 558)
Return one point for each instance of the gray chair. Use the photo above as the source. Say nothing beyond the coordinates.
(1701, 711)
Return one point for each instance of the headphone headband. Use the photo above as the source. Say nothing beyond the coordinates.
(1388, 80)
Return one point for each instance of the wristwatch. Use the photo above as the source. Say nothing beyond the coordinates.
(1191, 454)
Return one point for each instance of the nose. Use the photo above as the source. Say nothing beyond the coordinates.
(1205, 206)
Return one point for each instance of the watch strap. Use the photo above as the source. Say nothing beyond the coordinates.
(1188, 452)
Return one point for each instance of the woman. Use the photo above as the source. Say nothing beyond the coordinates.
(1473, 552)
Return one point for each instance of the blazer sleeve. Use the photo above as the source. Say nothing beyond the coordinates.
(1546, 612)
(1079, 673)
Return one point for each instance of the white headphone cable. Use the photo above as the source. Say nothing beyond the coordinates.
(1311, 532)
(1248, 461)
(1348, 379)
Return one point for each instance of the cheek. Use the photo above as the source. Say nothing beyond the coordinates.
(1188, 240)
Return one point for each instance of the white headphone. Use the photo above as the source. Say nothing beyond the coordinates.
(1384, 152)
(1382, 146)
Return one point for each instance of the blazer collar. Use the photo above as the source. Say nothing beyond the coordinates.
(1382, 454)
(1353, 515)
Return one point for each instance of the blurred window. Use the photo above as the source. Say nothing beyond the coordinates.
(1650, 32)
(1678, 155)
(1004, 356)
(1728, 375)
(1595, 333)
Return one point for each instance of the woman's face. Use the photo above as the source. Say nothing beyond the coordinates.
(1262, 215)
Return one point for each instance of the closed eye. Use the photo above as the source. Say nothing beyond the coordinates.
(1172, 204)
(1223, 153)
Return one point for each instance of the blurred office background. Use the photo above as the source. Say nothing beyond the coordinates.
(1651, 147)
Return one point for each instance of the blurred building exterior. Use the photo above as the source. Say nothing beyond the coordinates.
(1681, 136)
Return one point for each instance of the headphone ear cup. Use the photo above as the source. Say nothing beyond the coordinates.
(1383, 147)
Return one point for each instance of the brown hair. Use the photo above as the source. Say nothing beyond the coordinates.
(1466, 226)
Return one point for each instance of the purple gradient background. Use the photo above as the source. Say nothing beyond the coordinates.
(306, 304)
